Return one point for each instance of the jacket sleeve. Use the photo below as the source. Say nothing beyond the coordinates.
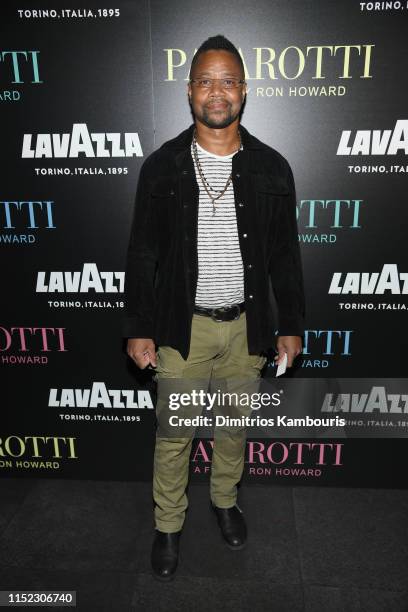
(285, 267)
(141, 264)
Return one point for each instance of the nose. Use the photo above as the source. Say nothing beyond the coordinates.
(216, 87)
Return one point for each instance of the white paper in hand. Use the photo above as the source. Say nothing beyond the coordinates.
(282, 366)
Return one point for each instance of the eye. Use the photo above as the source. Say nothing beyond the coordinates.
(228, 83)
(204, 82)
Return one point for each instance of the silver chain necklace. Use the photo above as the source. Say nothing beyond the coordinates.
(207, 186)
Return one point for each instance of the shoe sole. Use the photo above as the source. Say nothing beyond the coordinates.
(231, 547)
(163, 578)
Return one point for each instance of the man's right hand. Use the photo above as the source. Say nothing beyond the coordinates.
(142, 351)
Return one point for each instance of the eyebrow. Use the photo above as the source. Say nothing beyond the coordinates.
(224, 75)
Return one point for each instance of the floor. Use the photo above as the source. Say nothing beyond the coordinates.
(312, 549)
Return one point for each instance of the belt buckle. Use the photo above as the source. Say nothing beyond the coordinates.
(214, 315)
(226, 309)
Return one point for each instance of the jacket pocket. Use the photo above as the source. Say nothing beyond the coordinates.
(271, 196)
(164, 203)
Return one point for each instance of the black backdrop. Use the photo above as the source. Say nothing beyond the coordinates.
(86, 94)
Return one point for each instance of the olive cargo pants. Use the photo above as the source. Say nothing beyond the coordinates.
(218, 351)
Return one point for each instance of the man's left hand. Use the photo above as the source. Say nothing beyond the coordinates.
(291, 345)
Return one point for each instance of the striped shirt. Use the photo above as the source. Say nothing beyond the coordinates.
(220, 268)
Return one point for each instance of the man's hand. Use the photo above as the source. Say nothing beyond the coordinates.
(142, 351)
(292, 345)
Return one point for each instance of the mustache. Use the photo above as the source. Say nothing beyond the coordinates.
(212, 102)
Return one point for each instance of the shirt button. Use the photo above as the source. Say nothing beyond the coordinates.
(249, 267)
(172, 192)
(238, 175)
(185, 205)
(186, 238)
(185, 172)
(251, 297)
(244, 235)
(240, 204)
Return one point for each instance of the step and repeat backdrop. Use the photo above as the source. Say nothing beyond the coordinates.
(87, 92)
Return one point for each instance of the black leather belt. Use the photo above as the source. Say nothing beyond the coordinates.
(225, 313)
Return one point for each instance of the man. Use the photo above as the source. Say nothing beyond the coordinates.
(214, 225)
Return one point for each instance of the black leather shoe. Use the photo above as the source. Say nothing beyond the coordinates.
(164, 557)
(232, 524)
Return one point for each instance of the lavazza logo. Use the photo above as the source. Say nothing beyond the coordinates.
(375, 409)
(99, 396)
(380, 285)
(89, 280)
(376, 143)
(81, 143)
(377, 400)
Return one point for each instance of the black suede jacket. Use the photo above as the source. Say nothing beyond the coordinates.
(162, 263)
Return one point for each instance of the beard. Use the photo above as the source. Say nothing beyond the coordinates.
(217, 119)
